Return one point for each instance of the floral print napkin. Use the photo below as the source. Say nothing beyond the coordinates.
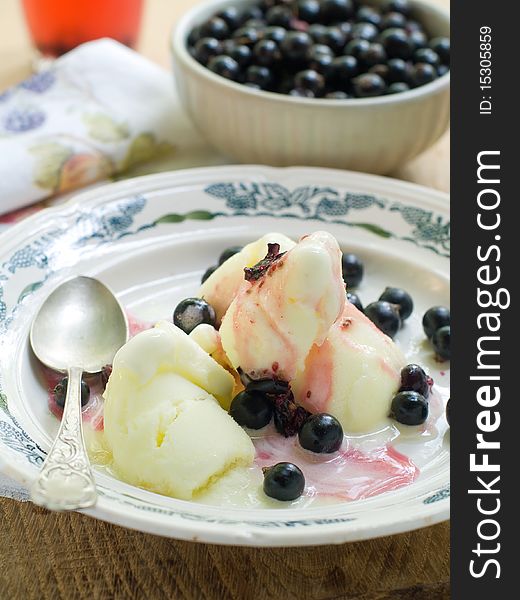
(97, 111)
(102, 111)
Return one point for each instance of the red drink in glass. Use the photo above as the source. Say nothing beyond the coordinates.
(57, 26)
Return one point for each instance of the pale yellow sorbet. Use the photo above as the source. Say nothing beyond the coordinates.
(295, 323)
(164, 427)
(353, 375)
(272, 323)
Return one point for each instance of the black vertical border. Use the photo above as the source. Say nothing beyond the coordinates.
(472, 133)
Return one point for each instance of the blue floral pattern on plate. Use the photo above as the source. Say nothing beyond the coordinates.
(329, 205)
(99, 227)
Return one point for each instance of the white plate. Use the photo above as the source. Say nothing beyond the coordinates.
(150, 239)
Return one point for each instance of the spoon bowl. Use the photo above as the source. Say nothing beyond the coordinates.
(78, 329)
(80, 324)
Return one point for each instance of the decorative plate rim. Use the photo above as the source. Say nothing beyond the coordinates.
(438, 198)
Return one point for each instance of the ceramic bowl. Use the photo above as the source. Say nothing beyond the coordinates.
(150, 239)
(376, 135)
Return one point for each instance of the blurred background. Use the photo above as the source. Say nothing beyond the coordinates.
(17, 50)
(152, 20)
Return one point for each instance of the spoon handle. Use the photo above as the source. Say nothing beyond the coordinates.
(65, 481)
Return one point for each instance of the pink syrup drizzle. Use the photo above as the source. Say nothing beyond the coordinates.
(92, 412)
(136, 325)
(349, 474)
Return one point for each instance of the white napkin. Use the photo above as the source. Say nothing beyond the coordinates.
(98, 110)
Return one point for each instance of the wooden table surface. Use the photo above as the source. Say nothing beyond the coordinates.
(45, 556)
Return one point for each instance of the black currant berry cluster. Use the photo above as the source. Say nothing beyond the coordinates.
(266, 400)
(394, 306)
(320, 433)
(334, 49)
(410, 404)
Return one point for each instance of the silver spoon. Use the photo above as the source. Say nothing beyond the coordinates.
(78, 329)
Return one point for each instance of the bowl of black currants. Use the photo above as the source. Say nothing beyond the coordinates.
(357, 84)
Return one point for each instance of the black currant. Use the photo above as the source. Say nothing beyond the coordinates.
(308, 10)
(284, 481)
(260, 76)
(364, 31)
(398, 70)
(281, 16)
(401, 6)
(228, 253)
(60, 392)
(232, 16)
(397, 87)
(248, 36)
(397, 43)
(209, 271)
(266, 53)
(369, 85)
(423, 73)
(343, 69)
(442, 70)
(321, 433)
(435, 318)
(353, 269)
(274, 387)
(427, 55)
(385, 317)
(333, 11)
(355, 300)
(191, 312)
(418, 39)
(295, 45)
(251, 410)
(381, 70)
(409, 408)
(367, 14)
(356, 48)
(372, 55)
(225, 66)
(414, 379)
(215, 28)
(309, 80)
(242, 54)
(401, 298)
(441, 342)
(205, 49)
(275, 33)
(393, 19)
(441, 45)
